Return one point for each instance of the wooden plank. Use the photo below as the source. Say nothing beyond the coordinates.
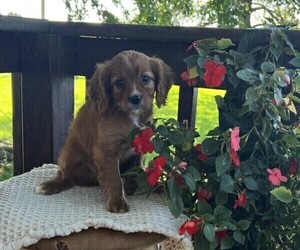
(17, 123)
(15, 23)
(127, 31)
(62, 110)
(32, 121)
(187, 104)
(9, 52)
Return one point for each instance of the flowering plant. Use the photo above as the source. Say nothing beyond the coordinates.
(240, 187)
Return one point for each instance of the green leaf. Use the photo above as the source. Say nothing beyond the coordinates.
(224, 43)
(176, 137)
(162, 130)
(189, 180)
(200, 242)
(250, 183)
(191, 60)
(204, 208)
(283, 113)
(227, 242)
(158, 144)
(221, 198)
(239, 237)
(267, 128)
(291, 140)
(227, 184)
(243, 225)
(248, 75)
(222, 213)
(283, 194)
(252, 94)
(210, 146)
(176, 206)
(208, 218)
(267, 67)
(209, 232)
(295, 62)
(223, 163)
(186, 146)
(220, 101)
(195, 173)
(142, 186)
(201, 61)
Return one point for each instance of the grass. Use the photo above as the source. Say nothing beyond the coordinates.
(5, 108)
(206, 118)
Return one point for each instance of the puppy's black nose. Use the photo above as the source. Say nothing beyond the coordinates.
(135, 99)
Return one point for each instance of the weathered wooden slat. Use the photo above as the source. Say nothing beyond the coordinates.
(17, 123)
(9, 52)
(32, 118)
(62, 110)
(15, 23)
(125, 31)
(187, 104)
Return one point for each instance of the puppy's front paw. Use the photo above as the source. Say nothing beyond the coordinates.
(117, 205)
(49, 187)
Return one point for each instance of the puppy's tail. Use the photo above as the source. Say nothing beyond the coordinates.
(54, 186)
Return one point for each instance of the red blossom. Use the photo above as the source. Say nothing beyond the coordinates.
(190, 227)
(220, 235)
(214, 73)
(275, 176)
(203, 194)
(154, 173)
(200, 156)
(185, 76)
(235, 158)
(235, 139)
(142, 143)
(241, 200)
(293, 166)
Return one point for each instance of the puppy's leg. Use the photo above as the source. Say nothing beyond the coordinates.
(64, 179)
(111, 183)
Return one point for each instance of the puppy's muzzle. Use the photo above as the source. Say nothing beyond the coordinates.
(135, 99)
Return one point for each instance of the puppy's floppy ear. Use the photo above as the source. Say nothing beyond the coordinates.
(163, 80)
(99, 90)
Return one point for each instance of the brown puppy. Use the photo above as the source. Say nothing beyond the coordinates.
(120, 98)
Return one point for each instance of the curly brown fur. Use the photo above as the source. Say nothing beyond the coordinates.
(121, 94)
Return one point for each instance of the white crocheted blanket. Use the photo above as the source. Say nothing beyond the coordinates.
(27, 217)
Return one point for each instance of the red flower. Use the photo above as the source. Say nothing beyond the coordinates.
(154, 173)
(142, 143)
(203, 194)
(185, 76)
(235, 139)
(293, 166)
(220, 235)
(190, 227)
(214, 73)
(275, 176)
(241, 200)
(200, 156)
(235, 158)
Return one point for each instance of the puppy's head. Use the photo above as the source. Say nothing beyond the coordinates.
(129, 82)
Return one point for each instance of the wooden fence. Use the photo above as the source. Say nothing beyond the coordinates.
(44, 56)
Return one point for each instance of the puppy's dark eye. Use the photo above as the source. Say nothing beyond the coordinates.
(119, 84)
(145, 79)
